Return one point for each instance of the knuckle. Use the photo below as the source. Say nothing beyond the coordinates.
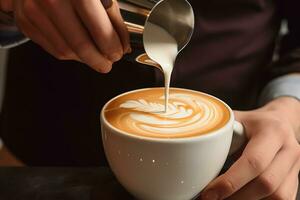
(256, 162)
(229, 186)
(268, 183)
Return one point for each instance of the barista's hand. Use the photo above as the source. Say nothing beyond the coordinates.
(73, 29)
(269, 165)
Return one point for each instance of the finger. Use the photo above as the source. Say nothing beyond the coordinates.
(37, 18)
(258, 154)
(31, 32)
(96, 20)
(288, 187)
(269, 181)
(119, 25)
(66, 21)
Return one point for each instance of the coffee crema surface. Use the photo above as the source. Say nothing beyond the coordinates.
(189, 114)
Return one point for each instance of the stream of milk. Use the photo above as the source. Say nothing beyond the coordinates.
(161, 47)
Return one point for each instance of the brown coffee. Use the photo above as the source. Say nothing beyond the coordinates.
(189, 114)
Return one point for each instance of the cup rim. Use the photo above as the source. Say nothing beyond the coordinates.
(205, 136)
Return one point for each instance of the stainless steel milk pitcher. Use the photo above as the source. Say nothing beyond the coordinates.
(175, 16)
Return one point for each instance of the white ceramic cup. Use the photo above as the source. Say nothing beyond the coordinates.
(168, 169)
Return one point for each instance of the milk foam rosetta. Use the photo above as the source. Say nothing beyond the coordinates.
(189, 113)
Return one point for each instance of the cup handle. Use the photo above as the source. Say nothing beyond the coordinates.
(238, 138)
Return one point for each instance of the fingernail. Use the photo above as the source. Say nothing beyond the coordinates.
(209, 195)
(115, 57)
(103, 68)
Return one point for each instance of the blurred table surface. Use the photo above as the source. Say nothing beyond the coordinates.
(63, 183)
(48, 183)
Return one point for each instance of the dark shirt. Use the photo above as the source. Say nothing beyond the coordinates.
(51, 108)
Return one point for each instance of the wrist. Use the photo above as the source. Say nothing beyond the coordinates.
(288, 108)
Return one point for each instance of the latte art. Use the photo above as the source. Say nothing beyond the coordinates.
(189, 113)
